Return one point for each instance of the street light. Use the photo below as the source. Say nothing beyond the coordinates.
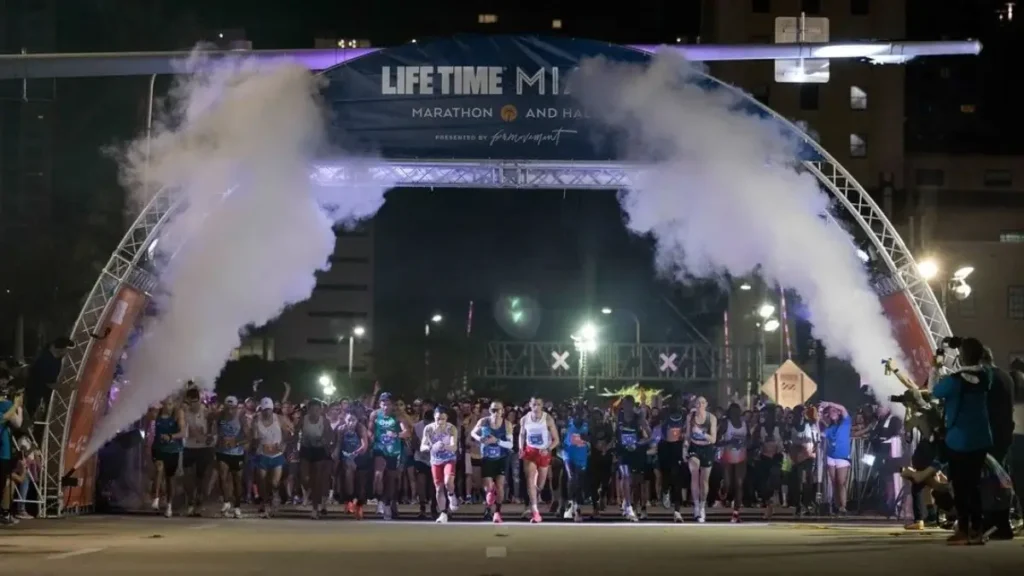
(435, 319)
(766, 311)
(745, 287)
(357, 332)
(585, 340)
(327, 385)
(929, 269)
(771, 325)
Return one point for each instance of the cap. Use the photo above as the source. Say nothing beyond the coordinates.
(231, 401)
(385, 396)
(266, 404)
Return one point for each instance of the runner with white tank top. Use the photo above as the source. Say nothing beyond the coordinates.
(538, 435)
(268, 432)
(315, 439)
(734, 458)
(197, 456)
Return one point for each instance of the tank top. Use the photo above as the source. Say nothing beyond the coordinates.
(493, 451)
(350, 440)
(385, 435)
(538, 436)
(312, 433)
(627, 434)
(196, 429)
(574, 434)
(166, 426)
(701, 432)
(735, 441)
(673, 429)
(230, 437)
(443, 434)
(269, 438)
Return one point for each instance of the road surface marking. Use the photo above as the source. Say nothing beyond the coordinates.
(203, 526)
(73, 553)
(495, 552)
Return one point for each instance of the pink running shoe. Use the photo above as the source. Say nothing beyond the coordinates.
(535, 518)
(497, 518)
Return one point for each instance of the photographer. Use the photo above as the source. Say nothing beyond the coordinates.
(968, 437)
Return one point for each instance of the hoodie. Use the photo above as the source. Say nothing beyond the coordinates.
(965, 394)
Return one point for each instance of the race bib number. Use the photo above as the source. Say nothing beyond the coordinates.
(577, 440)
(492, 451)
(535, 440)
(629, 440)
(675, 434)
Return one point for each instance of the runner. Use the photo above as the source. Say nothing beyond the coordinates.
(632, 434)
(232, 438)
(703, 429)
(671, 455)
(268, 431)
(538, 436)
(734, 457)
(769, 463)
(316, 439)
(355, 461)
(601, 459)
(421, 461)
(198, 452)
(575, 454)
(494, 436)
(169, 429)
(388, 431)
(440, 439)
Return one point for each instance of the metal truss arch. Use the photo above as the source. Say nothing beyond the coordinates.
(123, 266)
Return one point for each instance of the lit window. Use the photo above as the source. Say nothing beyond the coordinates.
(858, 98)
(1015, 302)
(556, 24)
(858, 146)
(998, 178)
(967, 108)
(1012, 237)
(487, 18)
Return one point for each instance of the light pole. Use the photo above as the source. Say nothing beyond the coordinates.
(636, 321)
(435, 319)
(327, 385)
(766, 323)
(585, 340)
(957, 282)
(357, 332)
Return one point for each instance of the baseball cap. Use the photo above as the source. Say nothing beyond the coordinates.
(266, 404)
(231, 401)
(385, 396)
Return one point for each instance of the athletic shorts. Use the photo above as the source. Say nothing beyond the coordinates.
(313, 454)
(234, 462)
(535, 455)
(410, 460)
(634, 462)
(837, 462)
(391, 461)
(364, 462)
(493, 467)
(475, 462)
(440, 471)
(270, 462)
(704, 454)
(170, 460)
(421, 467)
(196, 457)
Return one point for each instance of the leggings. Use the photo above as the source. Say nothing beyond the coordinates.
(674, 472)
(600, 471)
(965, 476)
(802, 479)
(577, 473)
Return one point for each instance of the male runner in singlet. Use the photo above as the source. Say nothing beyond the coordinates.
(232, 439)
(576, 454)
(494, 434)
(671, 455)
(632, 434)
(388, 431)
(538, 436)
(198, 452)
(354, 458)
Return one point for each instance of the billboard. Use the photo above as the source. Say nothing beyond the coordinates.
(469, 98)
(93, 388)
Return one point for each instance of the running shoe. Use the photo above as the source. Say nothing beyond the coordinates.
(225, 509)
(496, 518)
(359, 512)
(569, 512)
(630, 515)
(442, 518)
(350, 507)
(735, 517)
(491, 498)
(168, 512)
(535, 517)
(677, 517)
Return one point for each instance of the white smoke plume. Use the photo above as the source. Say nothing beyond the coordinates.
(724, 196)
(250, 228)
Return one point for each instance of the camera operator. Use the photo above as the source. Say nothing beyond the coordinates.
(886, 440)
(968, 437)
(1000, 413)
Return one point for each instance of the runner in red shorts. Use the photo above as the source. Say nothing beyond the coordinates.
(441, 440)
(538, 435)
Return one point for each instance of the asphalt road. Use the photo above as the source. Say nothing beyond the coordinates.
(151, 546)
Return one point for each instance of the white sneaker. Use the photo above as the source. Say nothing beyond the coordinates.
(156, 504)
(314, 514)
(237, 513)
(703, 513)
(666, 501)
(570, 512)
(453, 504)
(630, 515)
(380, 508)
(677, 517)
(225, 509)
(442, 518)
(191, 511)
(168, 512)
